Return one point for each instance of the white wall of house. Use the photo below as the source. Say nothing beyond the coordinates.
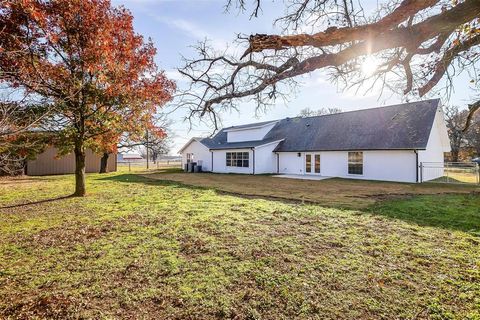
(220, 165)
(266, 159)
(200, 152)
(433, 156)
(249, 134)
(390, 165)
(291, 163)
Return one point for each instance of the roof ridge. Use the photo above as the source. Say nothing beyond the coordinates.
(332, 114)
(359, 110)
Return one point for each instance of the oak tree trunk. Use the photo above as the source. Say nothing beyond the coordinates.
(80, 188)
(454, 155)
(104, 163)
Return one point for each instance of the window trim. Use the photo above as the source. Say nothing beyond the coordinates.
(355, 162)
(233, 158)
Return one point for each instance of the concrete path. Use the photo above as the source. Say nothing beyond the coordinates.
(301, 176)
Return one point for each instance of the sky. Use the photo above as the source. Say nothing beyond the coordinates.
(175, 25)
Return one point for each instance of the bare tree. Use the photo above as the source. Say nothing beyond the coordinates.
(21, 115)
(307, 112)
(157, 144)
(18, 139)
(473, 135)
(156, 147)
(455, 121)
(419, 47)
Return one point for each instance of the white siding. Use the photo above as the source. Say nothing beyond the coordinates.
(438, 143)
(266, 159)
(253, 134)
(335, 164)
(220, 165)
(200, 153)
(388, 165)
(290, 163)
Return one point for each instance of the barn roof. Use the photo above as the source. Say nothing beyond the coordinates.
(395, 127)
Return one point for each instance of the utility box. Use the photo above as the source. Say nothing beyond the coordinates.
(191, 166)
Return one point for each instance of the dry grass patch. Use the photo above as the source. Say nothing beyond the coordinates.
(330, 192)
(156, 249)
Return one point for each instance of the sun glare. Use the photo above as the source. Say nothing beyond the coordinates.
(369, 65)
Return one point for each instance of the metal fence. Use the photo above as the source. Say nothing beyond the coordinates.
(450, 172)
(142, 165)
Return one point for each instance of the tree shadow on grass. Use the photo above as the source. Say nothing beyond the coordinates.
(134, 178)
(140, 178)
(19, 205)
(455, 212)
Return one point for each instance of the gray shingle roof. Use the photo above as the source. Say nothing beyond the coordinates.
(402, 126)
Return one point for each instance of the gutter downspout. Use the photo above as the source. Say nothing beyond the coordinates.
(278, 162)
(416, 165)
(211, 168)
(253, 151)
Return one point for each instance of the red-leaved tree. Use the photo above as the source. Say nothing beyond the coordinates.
(84, 56)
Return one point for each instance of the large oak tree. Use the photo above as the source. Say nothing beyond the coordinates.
(86, 59)
(420, 46)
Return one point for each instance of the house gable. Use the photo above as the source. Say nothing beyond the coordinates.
(249, 133)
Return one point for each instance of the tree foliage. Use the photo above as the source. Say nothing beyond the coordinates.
(420, 47)
(84, 57)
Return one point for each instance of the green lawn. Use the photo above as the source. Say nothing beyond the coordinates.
(143, 248)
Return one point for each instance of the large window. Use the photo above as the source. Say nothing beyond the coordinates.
(238, 159)
(189, 157)
(355, 163)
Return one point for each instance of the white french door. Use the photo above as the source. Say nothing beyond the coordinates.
(312, 163)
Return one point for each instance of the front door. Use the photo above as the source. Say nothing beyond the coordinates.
(312, 163)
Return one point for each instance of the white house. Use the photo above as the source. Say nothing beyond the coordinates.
(387, 143)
